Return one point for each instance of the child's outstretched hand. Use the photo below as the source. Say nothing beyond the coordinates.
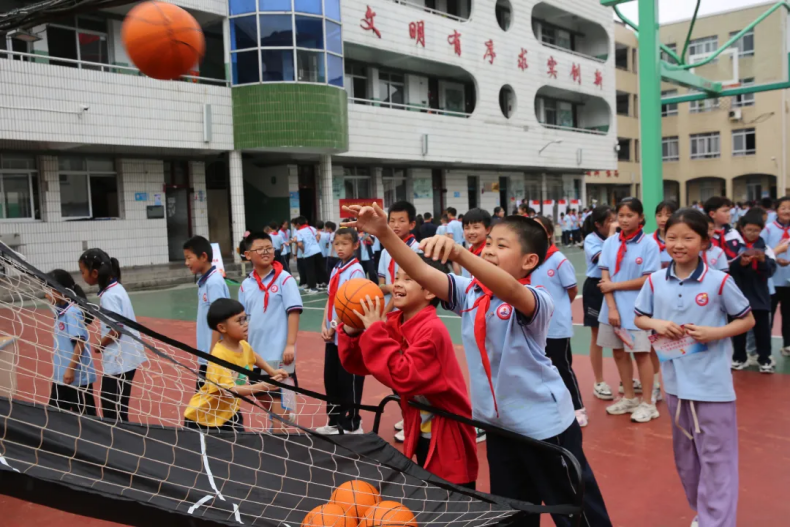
(370, 219)
(667, 328)
(372, 312)
(440, 248)
(702, 333)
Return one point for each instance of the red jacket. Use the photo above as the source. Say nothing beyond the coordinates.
(417, 358)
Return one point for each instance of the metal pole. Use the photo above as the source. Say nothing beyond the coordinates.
(650, 110)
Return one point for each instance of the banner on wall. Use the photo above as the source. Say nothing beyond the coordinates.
(562, 207)
(535, 205)
(217, 260)
(423, 188)
(576, 204)
(363, 202)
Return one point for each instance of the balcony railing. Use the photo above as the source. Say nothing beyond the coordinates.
(409, 107)
(98, 66)
(590, 131)
(429, 10)
(566, 50)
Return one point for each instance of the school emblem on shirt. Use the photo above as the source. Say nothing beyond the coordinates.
(639, 261)
(702, 299)
(205, 297)
(274, 289)
(713, 262)
(61, 326)
(504, 311)
(550, 273)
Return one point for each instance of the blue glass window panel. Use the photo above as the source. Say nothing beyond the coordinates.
(335, 66)
(308, 6)
(275, 5)
(244, 67)
(276, 31)
(243, 33)
(310, 66)
(309, 32)
(239, 7)
(332, 9)
(334, 38)
(277, 65)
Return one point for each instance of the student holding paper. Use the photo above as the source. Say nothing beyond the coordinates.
(699, 388)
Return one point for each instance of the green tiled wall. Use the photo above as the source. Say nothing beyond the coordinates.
(290, 116)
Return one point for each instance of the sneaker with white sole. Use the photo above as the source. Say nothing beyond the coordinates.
(695, 523)
(399, 425)
(738, 365)
(581, 417)
(786, 351)
(637, 387)
(623, 406)
(481, 435)
(645, 413)
(602, 391)
(770, 367)
(312, 291)
(752, 360)
(657, 393)
(327, 430)
(400, 437)
(358, 431)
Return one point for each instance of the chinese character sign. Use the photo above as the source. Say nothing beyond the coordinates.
(522, 60)
(417, 32)
(455, 42)
(489, 54)
(368, 23)
(576, 73)
(598, 79)
(552, 67)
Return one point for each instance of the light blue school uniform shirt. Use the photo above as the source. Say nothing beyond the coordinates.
(70, 328)
(211, 286)
(286, 236)
(376, 245)
(716, 259)
(347, 271)
(663, 255)
(566, 223)
(441, 230)
(277, 241)
(307, 236)
(268, 323)
(593, 244)
(384, 265)
(324, 243)
(126, 354)
(556, 274)
(771, 217)
(706, 298)
(641, 258)
(772, 235)
(531, 398)
(332, 252)
(456, 228)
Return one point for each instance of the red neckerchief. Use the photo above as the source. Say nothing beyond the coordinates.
(333, 283)
(278, 268)
(661, 245)
(482, 304)
(391, 267)
(749, 245)
(718, 237)
(550, 251)
(304, 227)
(479, 250)
(785, 234)
(623, 249)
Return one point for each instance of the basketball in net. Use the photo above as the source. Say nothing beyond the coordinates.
(162, 40)
(328, 515)
(356, 496)
(349, 298)
(388, 514)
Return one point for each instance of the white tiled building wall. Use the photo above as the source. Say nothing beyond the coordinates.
(199, 197)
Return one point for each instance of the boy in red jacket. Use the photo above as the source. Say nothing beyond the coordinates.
(410, 351)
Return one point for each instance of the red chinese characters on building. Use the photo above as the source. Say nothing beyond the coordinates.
(552, 67)
(522, 60)
(576, 73)
(368, 24)
(455, 42)
(598, 79)
(417, 32)
(489, 54)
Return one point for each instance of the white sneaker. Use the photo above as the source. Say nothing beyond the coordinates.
(637, 387)
(768, 368)
(399, 425)
(645, 413)
(399, 437)
(738, 365)
(786, 352)
(303, 287)
(657, 393)
(581, 417)
(312, 291)
(481, 435)
(752, 360)
(695, 523)
(358, 431)
(623, 406)
(327, 430)
(602, 391)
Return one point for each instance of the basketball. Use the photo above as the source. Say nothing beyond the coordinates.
(328, 515)
(388, 514)
(356, 496)
(349, 299)
(162, 40)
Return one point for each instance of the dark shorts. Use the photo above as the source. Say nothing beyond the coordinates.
(592, 300)
(276, 393)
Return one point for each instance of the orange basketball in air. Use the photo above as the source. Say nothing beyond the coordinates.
(349, 298)
(329, 515)
(388, 514)
(163, 40)
(356, 496)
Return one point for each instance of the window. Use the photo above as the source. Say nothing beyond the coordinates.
(502, 10)
(623, 104)
(705, 105)
(744, 142)
(471, 191)
(507, 101)
(636, 106)
(88, 188)
(634, 60)
(670, 149)
(391, 87)
(621, 58)
(702, 46)
(356, 182)
(556, 37)
(745, 45)
(745, 99)
(357, 86)
(624, 149)
(669, 109)
(636, 150)
(19, 196)
(705, 146)
(665, 56)
(394, 180)
(557, 113)
(81, 39)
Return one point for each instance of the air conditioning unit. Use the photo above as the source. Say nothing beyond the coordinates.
(735, 114)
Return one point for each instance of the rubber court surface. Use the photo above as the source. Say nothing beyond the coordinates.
(633, 463)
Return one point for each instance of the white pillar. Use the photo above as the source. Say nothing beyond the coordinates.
(238, 220)
(199, 197)
(327, 212)
(544, 192)
(583, 186)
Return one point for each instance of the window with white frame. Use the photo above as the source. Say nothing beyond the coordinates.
(81, 39)
(745, 45)
(670, 148)
(705, 105)
(669, 109)
(88, 188)
(744, 142)
(356, 182)
(744, 99)
(666, 57)
(394, 181)
(391, 88)
(357, 80)
(705, 146)
(702, 46)
(19, 198)
(555, 112)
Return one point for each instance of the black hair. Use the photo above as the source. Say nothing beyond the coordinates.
(198, 245)
(497, 210)
(693, 219)
(667, 204)
(531, 211)
(632, 203)
(65, 279)
(782, 200)
(445, 217)
(98, 260)
(715, 203)
(548, 226)
(403, 206)
(451, 210)
(348, 231)
(283, 223)
(767, 203)
(221, 310)
(477, 216)
(300, 220)
(460, 217)
(274, 226)
(319, 225)
(599, 215)
(439, 266)
(259, 235)
(531, 235)
(331, 225)
(753, 217)
(427, 216)
(710, 220)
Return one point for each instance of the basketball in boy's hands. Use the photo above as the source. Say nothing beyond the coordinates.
(163, 41)
(356, 497)
(328, 515)
(349, 298)
(388, 514)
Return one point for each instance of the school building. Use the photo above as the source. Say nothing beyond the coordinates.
(298, 106)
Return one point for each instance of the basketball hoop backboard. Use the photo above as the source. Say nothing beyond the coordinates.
(725, 69)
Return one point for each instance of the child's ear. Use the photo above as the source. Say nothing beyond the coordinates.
(428, 295)
(222, 328)
(488, 230)
(529, 261)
